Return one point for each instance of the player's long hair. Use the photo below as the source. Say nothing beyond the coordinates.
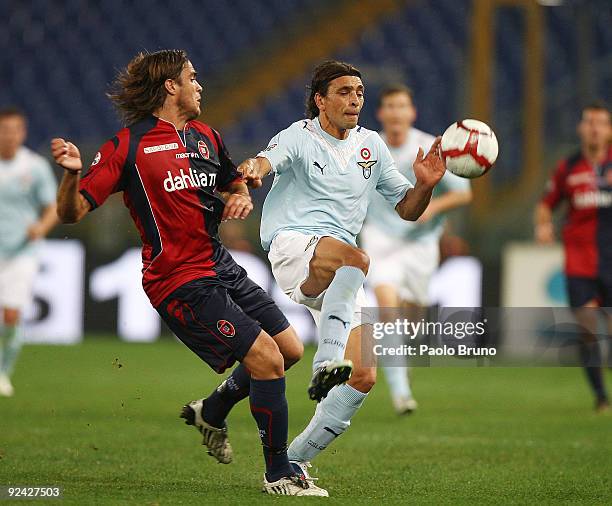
(139, 89)
(323, 74)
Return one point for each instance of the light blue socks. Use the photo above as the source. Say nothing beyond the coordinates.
(10, 348)
(337, 314)
(396, 368)
(332, 417)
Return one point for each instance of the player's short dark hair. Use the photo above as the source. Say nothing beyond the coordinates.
(596, 105)
(392, 89)
(11, 111)
(139, 89)
(322, 75)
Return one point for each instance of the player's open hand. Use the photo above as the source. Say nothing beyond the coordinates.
(66, 154)
(249, 170)
(430, 168)
(238, 206)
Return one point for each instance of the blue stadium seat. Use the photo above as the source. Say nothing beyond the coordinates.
(66, 54)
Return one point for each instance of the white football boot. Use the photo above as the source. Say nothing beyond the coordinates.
(293, 485)
(6, 387)
(405, 405)
(303, 468)
(214, 438)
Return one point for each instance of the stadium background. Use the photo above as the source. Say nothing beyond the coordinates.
(100, 418)
(523, 66)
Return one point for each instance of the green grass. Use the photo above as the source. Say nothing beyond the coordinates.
(101, 420)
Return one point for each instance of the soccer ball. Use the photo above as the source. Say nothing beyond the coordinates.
(469, 148)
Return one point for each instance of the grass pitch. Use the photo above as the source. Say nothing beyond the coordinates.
(101, 420)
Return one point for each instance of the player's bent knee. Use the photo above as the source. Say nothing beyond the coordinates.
(290, 346)
(358, 258)
(293, 354)
(264, 359)
(363, 379)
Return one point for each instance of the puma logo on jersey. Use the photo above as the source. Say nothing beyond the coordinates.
(191, 180)
(316, 164)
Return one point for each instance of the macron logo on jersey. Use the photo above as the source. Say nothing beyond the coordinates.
(160, 147)
(190, 180)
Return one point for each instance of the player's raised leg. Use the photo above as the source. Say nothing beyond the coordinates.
(338, 271)
(334, 413)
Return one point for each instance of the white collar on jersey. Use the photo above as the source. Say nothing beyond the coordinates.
(340, 150)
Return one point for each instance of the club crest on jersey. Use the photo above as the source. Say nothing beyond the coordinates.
(367, 167)
(226, 328)
(96, 159)
(203, 149)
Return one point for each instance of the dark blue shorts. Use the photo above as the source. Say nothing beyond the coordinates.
(582, 290)
(220, 323)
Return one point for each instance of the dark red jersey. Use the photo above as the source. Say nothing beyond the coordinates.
(169, 181)
(587, 232)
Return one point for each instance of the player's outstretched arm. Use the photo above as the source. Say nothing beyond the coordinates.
(450, 200)
(71, 205)
(428, 170)
(253, 170)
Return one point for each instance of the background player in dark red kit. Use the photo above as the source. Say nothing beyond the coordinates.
(171, 169)
(584, 181)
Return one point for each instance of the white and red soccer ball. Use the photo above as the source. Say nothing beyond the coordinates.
(469, 148)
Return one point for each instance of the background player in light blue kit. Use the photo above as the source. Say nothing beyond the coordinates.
(27, 208)
(326, 168)
(404, 255)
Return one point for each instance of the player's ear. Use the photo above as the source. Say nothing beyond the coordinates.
(318, 98)
(170, 85)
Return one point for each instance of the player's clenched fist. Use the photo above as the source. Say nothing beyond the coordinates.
(237, 206)
(250, 172)
(66, 154)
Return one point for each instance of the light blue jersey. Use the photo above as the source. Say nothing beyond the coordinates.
(27, 185)
(385, 218)
(323, 185)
